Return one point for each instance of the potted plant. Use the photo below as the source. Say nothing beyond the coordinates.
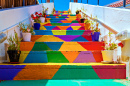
(96, 33)
(77, 12)
(14, 48)
(87, 24)
(37, 21)
(27, 31)
(42, 17)
(82, 19)
(109, 50)
(54, 11)
(69, 11)
(78, 15)
(46, 10)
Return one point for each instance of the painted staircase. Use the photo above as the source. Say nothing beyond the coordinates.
(61, 49)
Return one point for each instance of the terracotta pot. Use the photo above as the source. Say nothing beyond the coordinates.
(87, 26)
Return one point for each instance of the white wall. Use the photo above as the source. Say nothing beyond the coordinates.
(75, 6)
(117, 18)
(9, 19)
(50, 6)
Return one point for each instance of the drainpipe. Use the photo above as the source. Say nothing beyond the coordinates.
(35, 2)
(23, 2)
(124, 3)
(98, 2)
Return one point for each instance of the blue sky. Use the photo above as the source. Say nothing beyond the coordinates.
(64, 4)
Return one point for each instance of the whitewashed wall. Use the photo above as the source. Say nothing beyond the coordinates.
(116, 18)
(10, 18)
(50, 6)
(73, 6)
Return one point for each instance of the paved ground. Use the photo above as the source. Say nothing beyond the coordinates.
(110, 82)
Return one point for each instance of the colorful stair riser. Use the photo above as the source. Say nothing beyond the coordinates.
(61, 46)
(60, 56)
(78, 25)
(62, 21)
(36, 72)
(62, 32)
(61, 15)
(63, 28)
(61, 38)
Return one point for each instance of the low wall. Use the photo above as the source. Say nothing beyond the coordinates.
(10, 18)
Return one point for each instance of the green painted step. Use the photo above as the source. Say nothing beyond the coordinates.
(73, 82)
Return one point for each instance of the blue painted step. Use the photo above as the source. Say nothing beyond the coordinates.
(59, 32)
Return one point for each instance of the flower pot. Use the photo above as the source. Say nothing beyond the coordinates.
(77, 12)
(36, 26)
(82, 20)
(107, 55)
(14, 55)
(87, 26)
(26, 37)
(42, 19)
(46, 12)
(95, 36)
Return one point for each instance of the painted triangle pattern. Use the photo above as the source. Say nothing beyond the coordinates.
(60, 41)
(64, 33)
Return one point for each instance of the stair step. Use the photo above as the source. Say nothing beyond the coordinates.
(61, 15)
(64, 21)
(61, 32)
(61, 38)
(61, 46)
(63, 28)
(65, 82)
(60, 56)
(62, 71)
(61, 18)
(62, 24)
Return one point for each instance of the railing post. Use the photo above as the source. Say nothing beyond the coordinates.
(124, 3)
(23, 2)
(98, 2)
(87, 1)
